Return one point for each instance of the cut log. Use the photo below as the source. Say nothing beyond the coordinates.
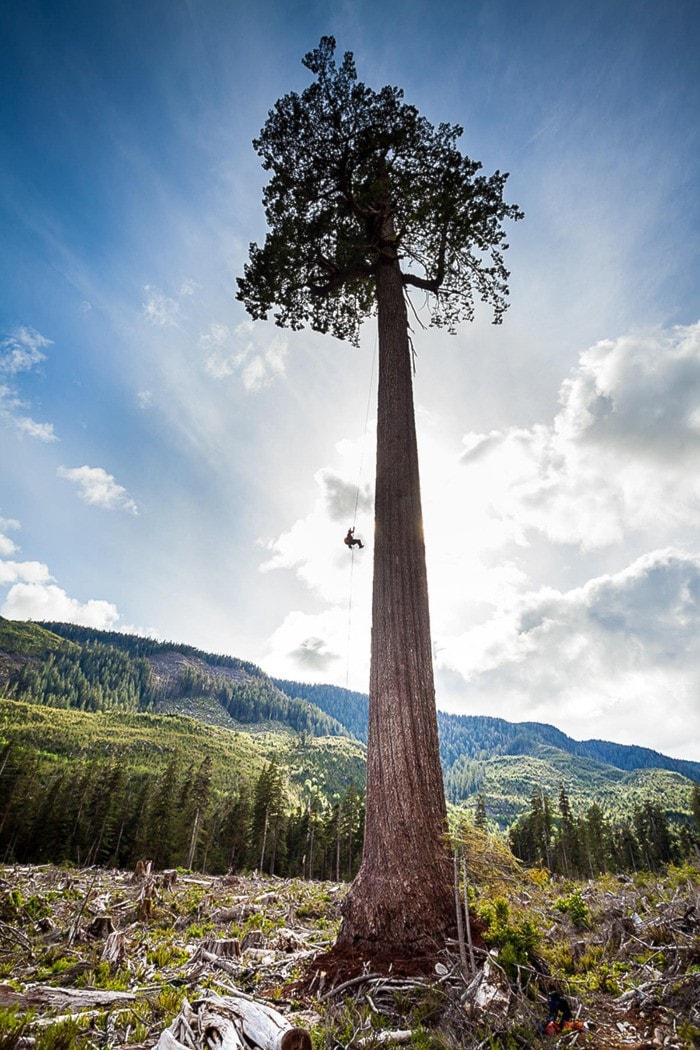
(77, 998)
(233, 1022)
(114, 951)
(142, 870)
(398, 1038)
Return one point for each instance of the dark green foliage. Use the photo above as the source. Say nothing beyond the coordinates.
(469, 737)
(344, 159)
(347, 707)
(112, 788)
(93, 678)
(594, 842)
(467, 741)
(259, 700)
(104, 670)
(137, 645)
(515, 938)
(480, 813)
(695, 806)
(29, 639)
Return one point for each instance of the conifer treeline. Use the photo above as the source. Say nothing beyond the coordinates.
(103, 812)
(100, 812)
(587, 844)
(98, 677)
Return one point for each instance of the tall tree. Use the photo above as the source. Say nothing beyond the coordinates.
(366, 200)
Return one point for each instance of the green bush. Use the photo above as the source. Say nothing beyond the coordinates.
(515, 939)
(576, 908)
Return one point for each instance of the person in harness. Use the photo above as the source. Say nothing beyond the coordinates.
(350, 540)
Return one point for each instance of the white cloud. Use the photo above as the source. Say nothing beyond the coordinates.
(7, 546)
(24, 571)
(617, 658)
(313, 547)
(265, 366)
(46, 601)
(144, 399)
(22, 350)
(158, 308)
(27, 427)
(610, 469)
(240, 353)
(98, 488)
(315, 648)
(622, 455)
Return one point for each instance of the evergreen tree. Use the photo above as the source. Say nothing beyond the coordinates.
(598, 836)
(567, 845)
(367, 199)
(695, 806)
(653, 833)
(269, 804)
(480, 821)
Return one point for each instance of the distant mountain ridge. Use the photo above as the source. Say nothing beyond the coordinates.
(64, 665)
(484, 736)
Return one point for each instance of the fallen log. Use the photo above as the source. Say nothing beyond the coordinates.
(233, 1022)
(386, 1038)
(77, 998)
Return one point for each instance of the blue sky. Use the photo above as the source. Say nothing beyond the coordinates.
(167, 466)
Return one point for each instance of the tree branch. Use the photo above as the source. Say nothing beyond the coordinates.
(338, 278)
(432, 285)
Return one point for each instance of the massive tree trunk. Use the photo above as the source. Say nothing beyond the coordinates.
(401, 901)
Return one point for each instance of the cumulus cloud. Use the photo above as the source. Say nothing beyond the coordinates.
(310, 647)
(33, 594)
(27, 427)
(20, 352)
(313, 547)
(332, 642)
(620, 652)
(47, 601)
(240, 353)
(98, 488)
(621, 455)
(158, 308)
(144, 399)
(23, 571)
(7, 546)
(507, 512)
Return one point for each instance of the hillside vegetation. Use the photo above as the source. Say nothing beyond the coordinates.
(227, 767)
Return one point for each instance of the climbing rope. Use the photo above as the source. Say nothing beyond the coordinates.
(364, 434)
(357, 501)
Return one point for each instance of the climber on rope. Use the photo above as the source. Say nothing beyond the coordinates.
(351, 541)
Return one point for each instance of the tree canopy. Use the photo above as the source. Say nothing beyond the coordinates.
(359, 175)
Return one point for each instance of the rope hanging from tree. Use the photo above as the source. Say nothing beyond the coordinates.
(350, 538)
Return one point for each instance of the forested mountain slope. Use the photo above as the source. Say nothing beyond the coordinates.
(64, 665)
(113, 787)
(482, 738)
(71, 667)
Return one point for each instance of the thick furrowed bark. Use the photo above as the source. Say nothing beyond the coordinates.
(402, 897)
